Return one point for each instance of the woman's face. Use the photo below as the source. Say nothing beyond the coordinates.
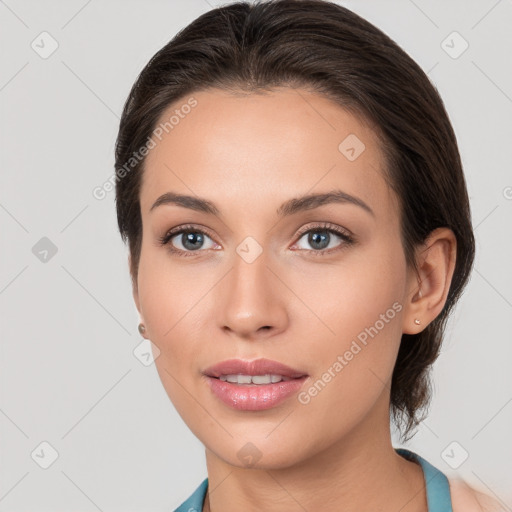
(264, 277)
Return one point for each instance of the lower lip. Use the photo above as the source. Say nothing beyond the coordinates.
(254, 397)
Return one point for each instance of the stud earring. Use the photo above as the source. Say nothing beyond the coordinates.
(142, 328)
(416, 321)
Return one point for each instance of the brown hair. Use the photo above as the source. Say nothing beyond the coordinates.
(322, 46)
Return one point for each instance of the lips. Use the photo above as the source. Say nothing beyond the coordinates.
(229, 382)
(256, 367)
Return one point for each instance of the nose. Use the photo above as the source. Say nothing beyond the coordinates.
(252, 301)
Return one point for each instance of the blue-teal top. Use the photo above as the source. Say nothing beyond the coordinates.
(436, 483)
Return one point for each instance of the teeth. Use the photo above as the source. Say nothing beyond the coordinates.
(253, 379)
(263, 379)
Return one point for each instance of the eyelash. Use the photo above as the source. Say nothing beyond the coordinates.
(326, 226)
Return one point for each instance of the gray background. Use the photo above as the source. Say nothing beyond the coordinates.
(68, 373)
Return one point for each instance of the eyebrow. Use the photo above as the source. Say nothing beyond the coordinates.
(289, 207)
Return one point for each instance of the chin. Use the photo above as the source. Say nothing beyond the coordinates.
(258, 451)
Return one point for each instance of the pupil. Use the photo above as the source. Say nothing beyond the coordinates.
(315, 239)
(194, 239)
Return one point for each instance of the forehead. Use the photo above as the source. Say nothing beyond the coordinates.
(271, 146)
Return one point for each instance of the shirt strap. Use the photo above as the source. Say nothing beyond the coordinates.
(196, 500)
(436, 483)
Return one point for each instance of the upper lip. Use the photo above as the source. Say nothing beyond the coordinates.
(255, 367)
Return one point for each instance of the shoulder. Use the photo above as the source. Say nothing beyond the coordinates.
(468, 499)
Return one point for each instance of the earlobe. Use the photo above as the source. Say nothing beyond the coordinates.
(428, 289)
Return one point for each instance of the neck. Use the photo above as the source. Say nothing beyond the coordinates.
(361, 471)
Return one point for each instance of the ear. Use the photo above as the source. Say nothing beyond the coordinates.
(428, 289)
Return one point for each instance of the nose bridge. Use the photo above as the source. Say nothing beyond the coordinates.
(251, 299)
(249, 272)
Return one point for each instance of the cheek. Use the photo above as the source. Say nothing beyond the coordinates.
(167, 299)
(358, 330)
(171, 302)
(350, 295)
(170, 293)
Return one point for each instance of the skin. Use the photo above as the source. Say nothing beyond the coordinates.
(248, 154)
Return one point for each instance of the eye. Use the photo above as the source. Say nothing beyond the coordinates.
(322, 241)
(186, 240)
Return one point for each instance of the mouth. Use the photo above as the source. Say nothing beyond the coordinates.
(253, 385)
(253, 379)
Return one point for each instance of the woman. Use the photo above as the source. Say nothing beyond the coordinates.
(299, 231)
